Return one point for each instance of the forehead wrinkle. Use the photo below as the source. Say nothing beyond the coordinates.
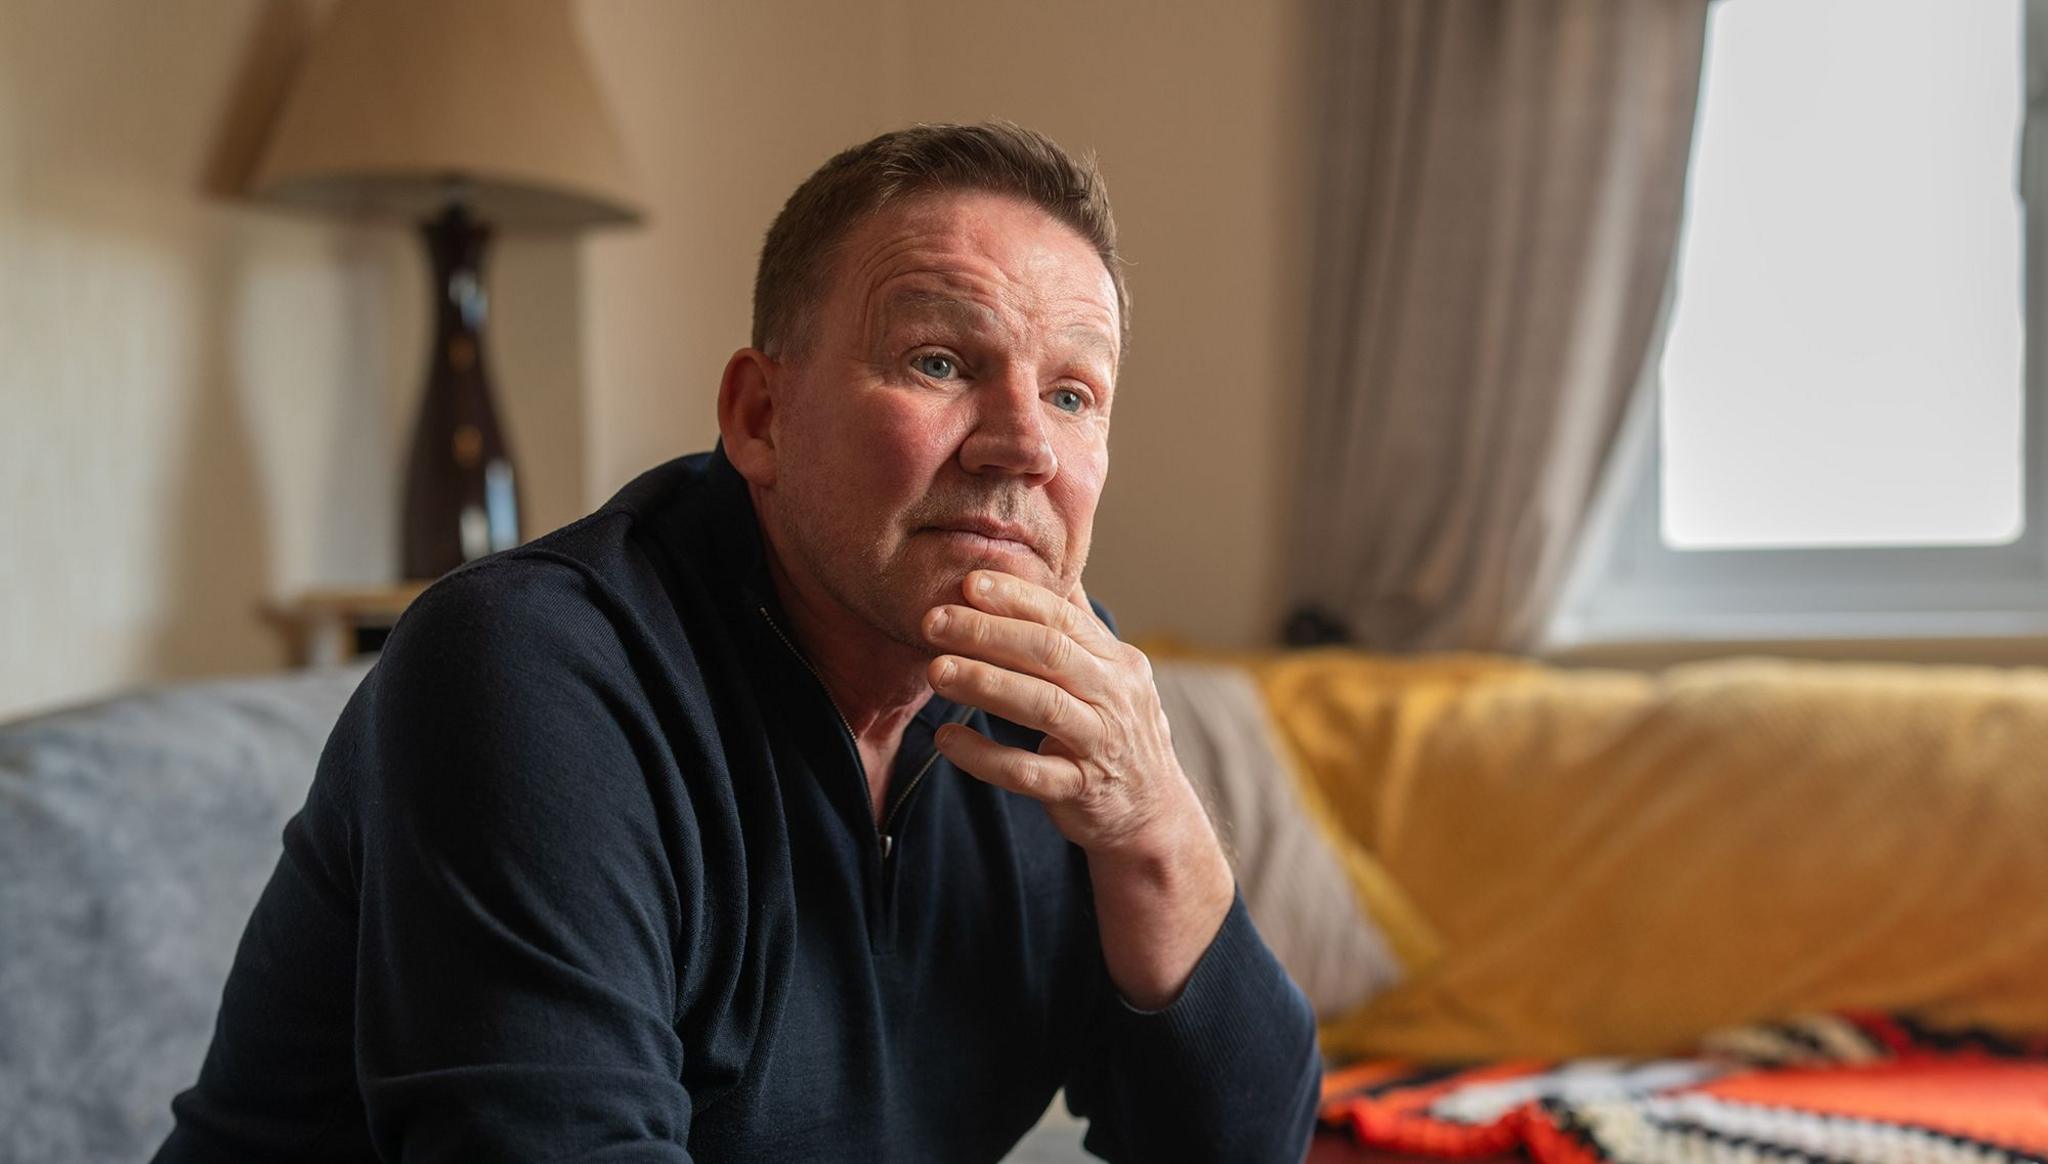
(980, 294)
(891, 305)
(970, 301)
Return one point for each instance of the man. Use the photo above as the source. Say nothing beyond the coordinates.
(796, 805)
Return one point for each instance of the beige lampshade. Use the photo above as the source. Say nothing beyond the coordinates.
(401, 102)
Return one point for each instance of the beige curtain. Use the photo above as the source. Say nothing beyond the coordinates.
(1496, 216)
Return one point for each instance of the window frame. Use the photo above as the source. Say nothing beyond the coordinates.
(1628, 586)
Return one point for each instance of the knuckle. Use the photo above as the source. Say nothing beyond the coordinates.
(1023, 779)
(1054, 650)
(1052, 710)
(993, 682)
(989, 681)
(980, 629)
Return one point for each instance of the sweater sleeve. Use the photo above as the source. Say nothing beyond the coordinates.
(1227, 1071)
(516, 976)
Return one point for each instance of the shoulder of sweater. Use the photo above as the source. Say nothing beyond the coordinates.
(586, 584)
(509, 629)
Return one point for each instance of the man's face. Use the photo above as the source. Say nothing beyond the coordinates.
(950, 412)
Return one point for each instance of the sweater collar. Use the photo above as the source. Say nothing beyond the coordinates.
(741, 548)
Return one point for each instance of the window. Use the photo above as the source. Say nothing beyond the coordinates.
(1839, 436)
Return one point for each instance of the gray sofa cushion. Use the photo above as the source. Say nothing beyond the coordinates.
(135, 836)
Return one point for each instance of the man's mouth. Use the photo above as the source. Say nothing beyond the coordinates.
(985, 535)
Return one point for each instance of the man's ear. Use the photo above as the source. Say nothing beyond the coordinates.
(748, 395)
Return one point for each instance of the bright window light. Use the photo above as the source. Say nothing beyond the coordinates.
(1844, 365)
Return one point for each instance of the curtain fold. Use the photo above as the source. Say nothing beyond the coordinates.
(1496, 211)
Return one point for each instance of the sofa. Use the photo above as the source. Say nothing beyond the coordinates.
(1459, 858)
(136, 834)
(135, 837)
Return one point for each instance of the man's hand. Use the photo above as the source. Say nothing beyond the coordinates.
(1106, 771)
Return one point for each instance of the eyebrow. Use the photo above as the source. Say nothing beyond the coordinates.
(1083, 336)
(917, 303)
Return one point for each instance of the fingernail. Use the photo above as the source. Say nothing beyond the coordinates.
(946, 669)
(984, 584)
(936, 625)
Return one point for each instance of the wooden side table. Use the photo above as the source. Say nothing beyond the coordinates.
(329, 626)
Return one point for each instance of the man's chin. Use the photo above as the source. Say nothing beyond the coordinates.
(955, 587)
(916, 598)
(919, 580)
(917, 594)
(955, 555)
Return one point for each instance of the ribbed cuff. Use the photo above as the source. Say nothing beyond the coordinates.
(1236, 1053)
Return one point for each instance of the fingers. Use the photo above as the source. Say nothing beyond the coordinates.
(1045, 778)
(1025, 700)
(1006, 594)
(1018, 644)
(1044, 660)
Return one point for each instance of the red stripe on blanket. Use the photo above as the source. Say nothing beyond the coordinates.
(2000, 1101)
(1944, 1092)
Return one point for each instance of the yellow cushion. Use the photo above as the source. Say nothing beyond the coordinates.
(1619, 863)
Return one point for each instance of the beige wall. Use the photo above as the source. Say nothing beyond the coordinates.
(724, 107)
(1196, 111)
(202, 403)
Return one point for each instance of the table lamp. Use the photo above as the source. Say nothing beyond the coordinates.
(462, 116)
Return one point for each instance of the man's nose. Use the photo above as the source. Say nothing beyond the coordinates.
(1010, 434)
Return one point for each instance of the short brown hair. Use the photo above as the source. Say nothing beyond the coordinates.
(999, 157)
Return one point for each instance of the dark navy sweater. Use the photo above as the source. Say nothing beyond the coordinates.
(589, 871)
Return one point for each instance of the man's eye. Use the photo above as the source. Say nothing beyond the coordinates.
(1068, 400)
(937, 366)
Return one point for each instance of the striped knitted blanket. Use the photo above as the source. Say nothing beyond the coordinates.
(1860, 1089)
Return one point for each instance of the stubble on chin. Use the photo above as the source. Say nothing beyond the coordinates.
(891, 585)
(906, 588)
(915, 580)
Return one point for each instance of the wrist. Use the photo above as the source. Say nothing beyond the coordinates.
(1159, 901)
(1163, 858)
(1178, 832)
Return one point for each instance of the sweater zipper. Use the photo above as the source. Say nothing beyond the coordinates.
(800, 657)
(885, 835)
(883, 840)
(903, 799)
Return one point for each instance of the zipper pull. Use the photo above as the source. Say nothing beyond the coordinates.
(888, 844)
